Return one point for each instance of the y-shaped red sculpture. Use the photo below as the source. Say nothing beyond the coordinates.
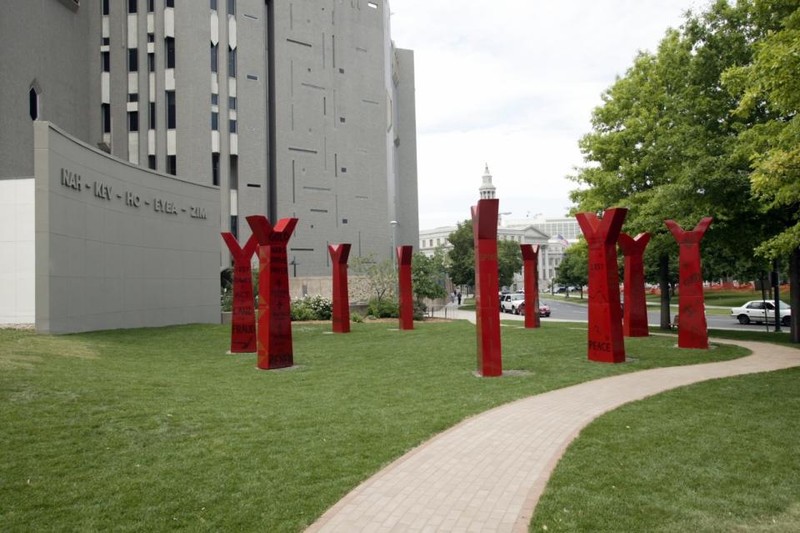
(487, 310)
(605, 321)
(692, 329)
(274, 312)
(404, 254)
(634, 316)
(341, 299)
(243, 315)
(530, 273)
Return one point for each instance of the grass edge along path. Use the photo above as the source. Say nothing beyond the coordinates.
(156, 428)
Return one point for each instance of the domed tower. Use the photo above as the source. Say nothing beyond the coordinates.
(487, 190)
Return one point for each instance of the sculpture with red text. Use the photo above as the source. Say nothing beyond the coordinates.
(274, 312)
(243, 311)
(634, 314)
(404, 255)
(487, 310)
(341, 299)
(530, 274)
(692, 327)
(605, 343)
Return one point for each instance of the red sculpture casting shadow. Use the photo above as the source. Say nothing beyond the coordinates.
(605, 318)
(692, 329)
(341, 299)
(634, 315)
(243, 315)
(404, 254)
(274, 313)
(530, 272)
(487, 311)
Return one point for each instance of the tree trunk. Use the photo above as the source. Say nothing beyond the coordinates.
(794, 294)
(663, 283)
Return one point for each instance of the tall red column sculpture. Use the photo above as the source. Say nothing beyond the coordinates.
(404, 254)
(243, 315)
(341, 299)
(274, 312)
(487, 310)
(692, 330)
(605, 317)
(634, 315)
(530, 273)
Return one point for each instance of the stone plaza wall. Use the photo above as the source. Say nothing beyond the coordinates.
(119, 246)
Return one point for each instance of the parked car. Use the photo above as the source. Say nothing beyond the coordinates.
(510, 302)
(544, 309)
(760, 311)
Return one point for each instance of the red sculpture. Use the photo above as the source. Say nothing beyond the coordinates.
(274, 313)
(341, 300)
(404, 254)
(530, 272)
(692, 329)
(243, 316)
(487, 310)
(634, 315)
(605, 318)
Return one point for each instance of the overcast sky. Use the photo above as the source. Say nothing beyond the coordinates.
(512, 84)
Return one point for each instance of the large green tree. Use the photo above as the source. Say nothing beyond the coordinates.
(461, 257)
(574, 267)
(428, 275)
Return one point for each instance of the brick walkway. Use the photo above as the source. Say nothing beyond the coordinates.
(487, 473)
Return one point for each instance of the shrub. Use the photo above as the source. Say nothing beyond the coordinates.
(383, 308)
(312, 308)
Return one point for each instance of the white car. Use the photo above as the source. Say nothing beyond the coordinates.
(760, 311)
(510, 302)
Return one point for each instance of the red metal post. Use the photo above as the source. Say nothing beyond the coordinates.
(341, 300)
(487, 306)
(634, 315)
(274, 313)
(605, 342)
(404, 254)
(243, 315)
(530, 273)
(692, 327)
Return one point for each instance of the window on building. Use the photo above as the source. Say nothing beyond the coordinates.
(105, 41)
(151, 162)
(151, 37)
(232, 62)
(33, 103)
(151, 6)
(231, 7)
(235, 226)
(133, 97)
(152, 117)
(105, 61)
(172, 165)
(105, 116)
(232, 125)
(231, 102)
(133, 60)
(171, 119)
(214, 5)
(170, 50)
(214, 57)
(132, 4)
(133, 121)
(233, 172)
(215, 169)
(214, 121)
(214, 99)
(151, 62)
(170, 3)
(105, 6)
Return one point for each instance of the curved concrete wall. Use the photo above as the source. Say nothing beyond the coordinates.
(118, 246)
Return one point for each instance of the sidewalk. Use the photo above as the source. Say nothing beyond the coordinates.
(487, 473)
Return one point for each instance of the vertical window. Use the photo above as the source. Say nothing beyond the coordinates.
(133, 60)
(233, 172)
(215, 169)
(231, 7)
(151, 6)
(133, 121)
(151, 162)
(214, 57)
(171, 110)
(151, 62)
(172, 165)
(170, 49)
(152, 117)
(214, 5)
(151, 37)
(105, 7)
(132, 6)
(169, 3)
(105, 41)
(215, 121)
(235, 226)
(33, 103)
(231, 102)
(232, 125)
(214, 99)
(105, 115)
(105, 61)
(232, 62)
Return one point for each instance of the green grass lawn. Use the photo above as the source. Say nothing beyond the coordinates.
(153, 429)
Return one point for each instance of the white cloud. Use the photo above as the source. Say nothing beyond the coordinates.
(512, 83)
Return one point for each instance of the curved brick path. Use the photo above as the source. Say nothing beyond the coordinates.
(487, 473)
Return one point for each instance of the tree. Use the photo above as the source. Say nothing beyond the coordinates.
(380, 277)
(427, 275)
(509, 261)
(574, 267)
(462, 255)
